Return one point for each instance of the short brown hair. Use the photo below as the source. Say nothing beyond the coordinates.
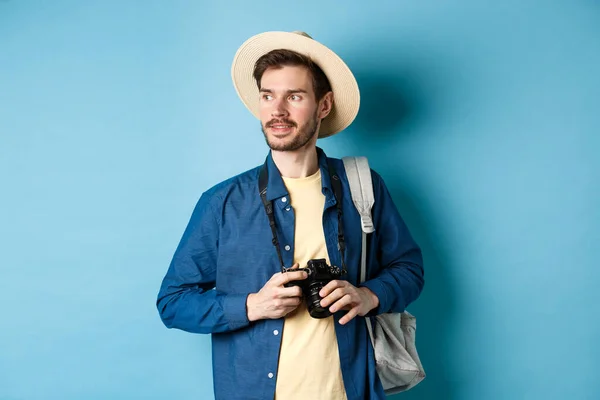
(281, 57)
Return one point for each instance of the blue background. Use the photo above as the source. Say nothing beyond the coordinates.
(482, 117)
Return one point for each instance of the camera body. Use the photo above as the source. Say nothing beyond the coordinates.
(319, 275)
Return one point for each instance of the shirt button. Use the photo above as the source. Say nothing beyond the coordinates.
(287, 247)
(284, 199)
(287, 209)
(275, 332)
(270, 375)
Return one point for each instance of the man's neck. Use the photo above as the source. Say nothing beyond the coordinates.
(297, 164)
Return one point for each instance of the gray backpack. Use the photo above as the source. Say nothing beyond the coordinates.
(392, 334)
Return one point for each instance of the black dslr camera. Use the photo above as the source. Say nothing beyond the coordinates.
(319, 275)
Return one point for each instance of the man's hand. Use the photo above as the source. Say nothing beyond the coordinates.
(342, 295)
(274, 300)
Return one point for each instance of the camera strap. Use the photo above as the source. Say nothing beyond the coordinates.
(262, 188)
(336, 183)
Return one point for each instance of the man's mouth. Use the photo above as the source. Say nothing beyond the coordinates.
(280, 128)
(280, 124)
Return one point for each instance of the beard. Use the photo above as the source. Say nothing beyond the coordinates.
(303, 135)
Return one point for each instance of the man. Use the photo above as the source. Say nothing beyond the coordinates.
(226, 275)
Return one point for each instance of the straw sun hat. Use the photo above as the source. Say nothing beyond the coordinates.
(343, 84)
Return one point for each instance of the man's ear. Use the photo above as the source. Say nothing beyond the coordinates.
(325, 105)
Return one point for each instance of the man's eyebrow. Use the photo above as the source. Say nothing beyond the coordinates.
(265, 90)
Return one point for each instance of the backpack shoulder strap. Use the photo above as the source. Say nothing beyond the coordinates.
(361, 189)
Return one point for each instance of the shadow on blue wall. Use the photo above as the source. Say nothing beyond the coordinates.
(392, 106)
(390, 103)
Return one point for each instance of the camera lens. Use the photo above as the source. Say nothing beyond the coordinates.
(313, 300)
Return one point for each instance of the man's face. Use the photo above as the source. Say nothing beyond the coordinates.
(289, 113)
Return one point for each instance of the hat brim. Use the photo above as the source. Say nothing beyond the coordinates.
(343, 83)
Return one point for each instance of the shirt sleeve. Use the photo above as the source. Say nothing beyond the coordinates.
(396, 273)
(187, 298)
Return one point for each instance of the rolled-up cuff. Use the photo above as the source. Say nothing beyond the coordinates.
(234, 309)
(379, 289)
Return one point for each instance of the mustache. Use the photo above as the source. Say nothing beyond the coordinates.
(281, 122)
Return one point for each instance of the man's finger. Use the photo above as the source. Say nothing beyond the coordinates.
(333, 297)
(291, 276)
(290, 302)
(330, 287)
(277, 275)
(293, 291)
(349, 316)
(346, 300)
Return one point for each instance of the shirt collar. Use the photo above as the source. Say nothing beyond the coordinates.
(276, 188)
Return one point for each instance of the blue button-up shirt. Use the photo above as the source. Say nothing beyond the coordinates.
(226, 253)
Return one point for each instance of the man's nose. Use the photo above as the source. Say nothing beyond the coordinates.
(279, 109)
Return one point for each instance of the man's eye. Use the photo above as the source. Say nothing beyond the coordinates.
(295, 97)
(267, 97)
